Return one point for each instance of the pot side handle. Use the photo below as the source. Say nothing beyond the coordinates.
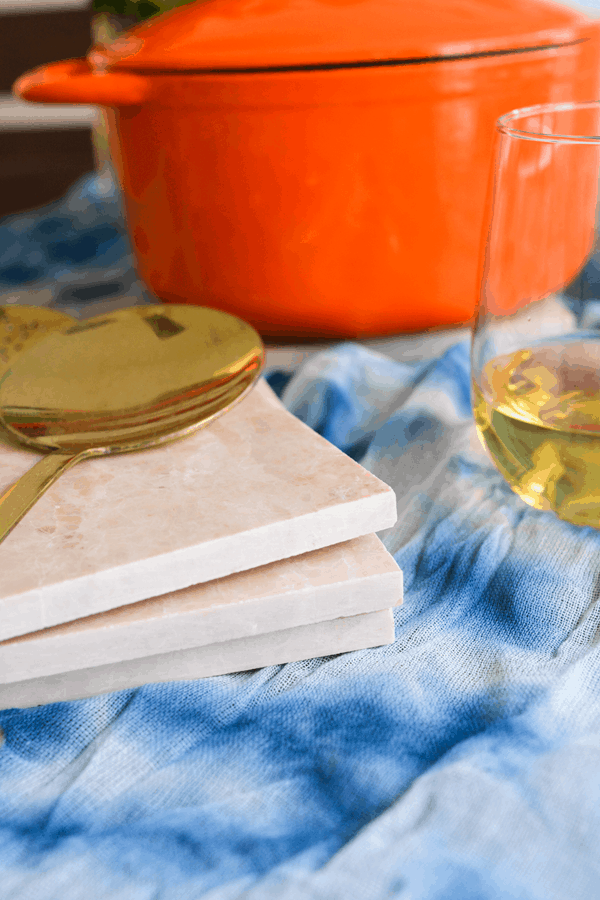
(73, 81)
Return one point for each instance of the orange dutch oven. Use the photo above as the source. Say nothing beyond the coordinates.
(320, 167)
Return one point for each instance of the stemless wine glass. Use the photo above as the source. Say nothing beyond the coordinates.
(535, 364)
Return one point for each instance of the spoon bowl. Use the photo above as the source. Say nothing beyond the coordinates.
(23, 326)
(124, 381)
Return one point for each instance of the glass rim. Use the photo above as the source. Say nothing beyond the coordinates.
(505, 123)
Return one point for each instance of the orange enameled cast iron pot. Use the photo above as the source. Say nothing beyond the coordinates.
(319, 167)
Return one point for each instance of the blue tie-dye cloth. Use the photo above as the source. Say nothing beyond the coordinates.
(461, 762)
(71, 253)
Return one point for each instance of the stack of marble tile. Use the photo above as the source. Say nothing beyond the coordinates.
(250, 543)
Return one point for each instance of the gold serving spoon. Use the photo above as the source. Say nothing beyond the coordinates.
(128, 380)
(23, 326)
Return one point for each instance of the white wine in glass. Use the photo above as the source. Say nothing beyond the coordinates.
(535, 371)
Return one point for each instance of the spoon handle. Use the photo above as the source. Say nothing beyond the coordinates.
(20, 497)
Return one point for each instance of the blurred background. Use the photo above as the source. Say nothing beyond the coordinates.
(43, 149)
(63, 241)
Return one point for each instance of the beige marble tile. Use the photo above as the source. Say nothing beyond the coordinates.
(347, 579)
(253, 487)
(304, 642)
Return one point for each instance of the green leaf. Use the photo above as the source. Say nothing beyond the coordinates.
(146, 9)
(136, 9)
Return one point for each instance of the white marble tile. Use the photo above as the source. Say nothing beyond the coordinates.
(347, 579)
(304, 642)
(253, 487)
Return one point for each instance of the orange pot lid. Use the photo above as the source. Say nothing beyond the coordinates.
(255, 35)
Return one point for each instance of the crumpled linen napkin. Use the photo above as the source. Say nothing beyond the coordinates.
(461, 762)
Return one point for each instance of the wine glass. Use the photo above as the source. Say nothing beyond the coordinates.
(535, 362)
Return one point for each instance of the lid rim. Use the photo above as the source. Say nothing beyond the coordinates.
(355, 64)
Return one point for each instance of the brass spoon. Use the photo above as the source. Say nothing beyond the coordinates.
(23, 326)
(128, 380)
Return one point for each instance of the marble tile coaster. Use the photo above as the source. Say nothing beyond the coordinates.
(304, 642)
(253, 487)
(358, 576)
